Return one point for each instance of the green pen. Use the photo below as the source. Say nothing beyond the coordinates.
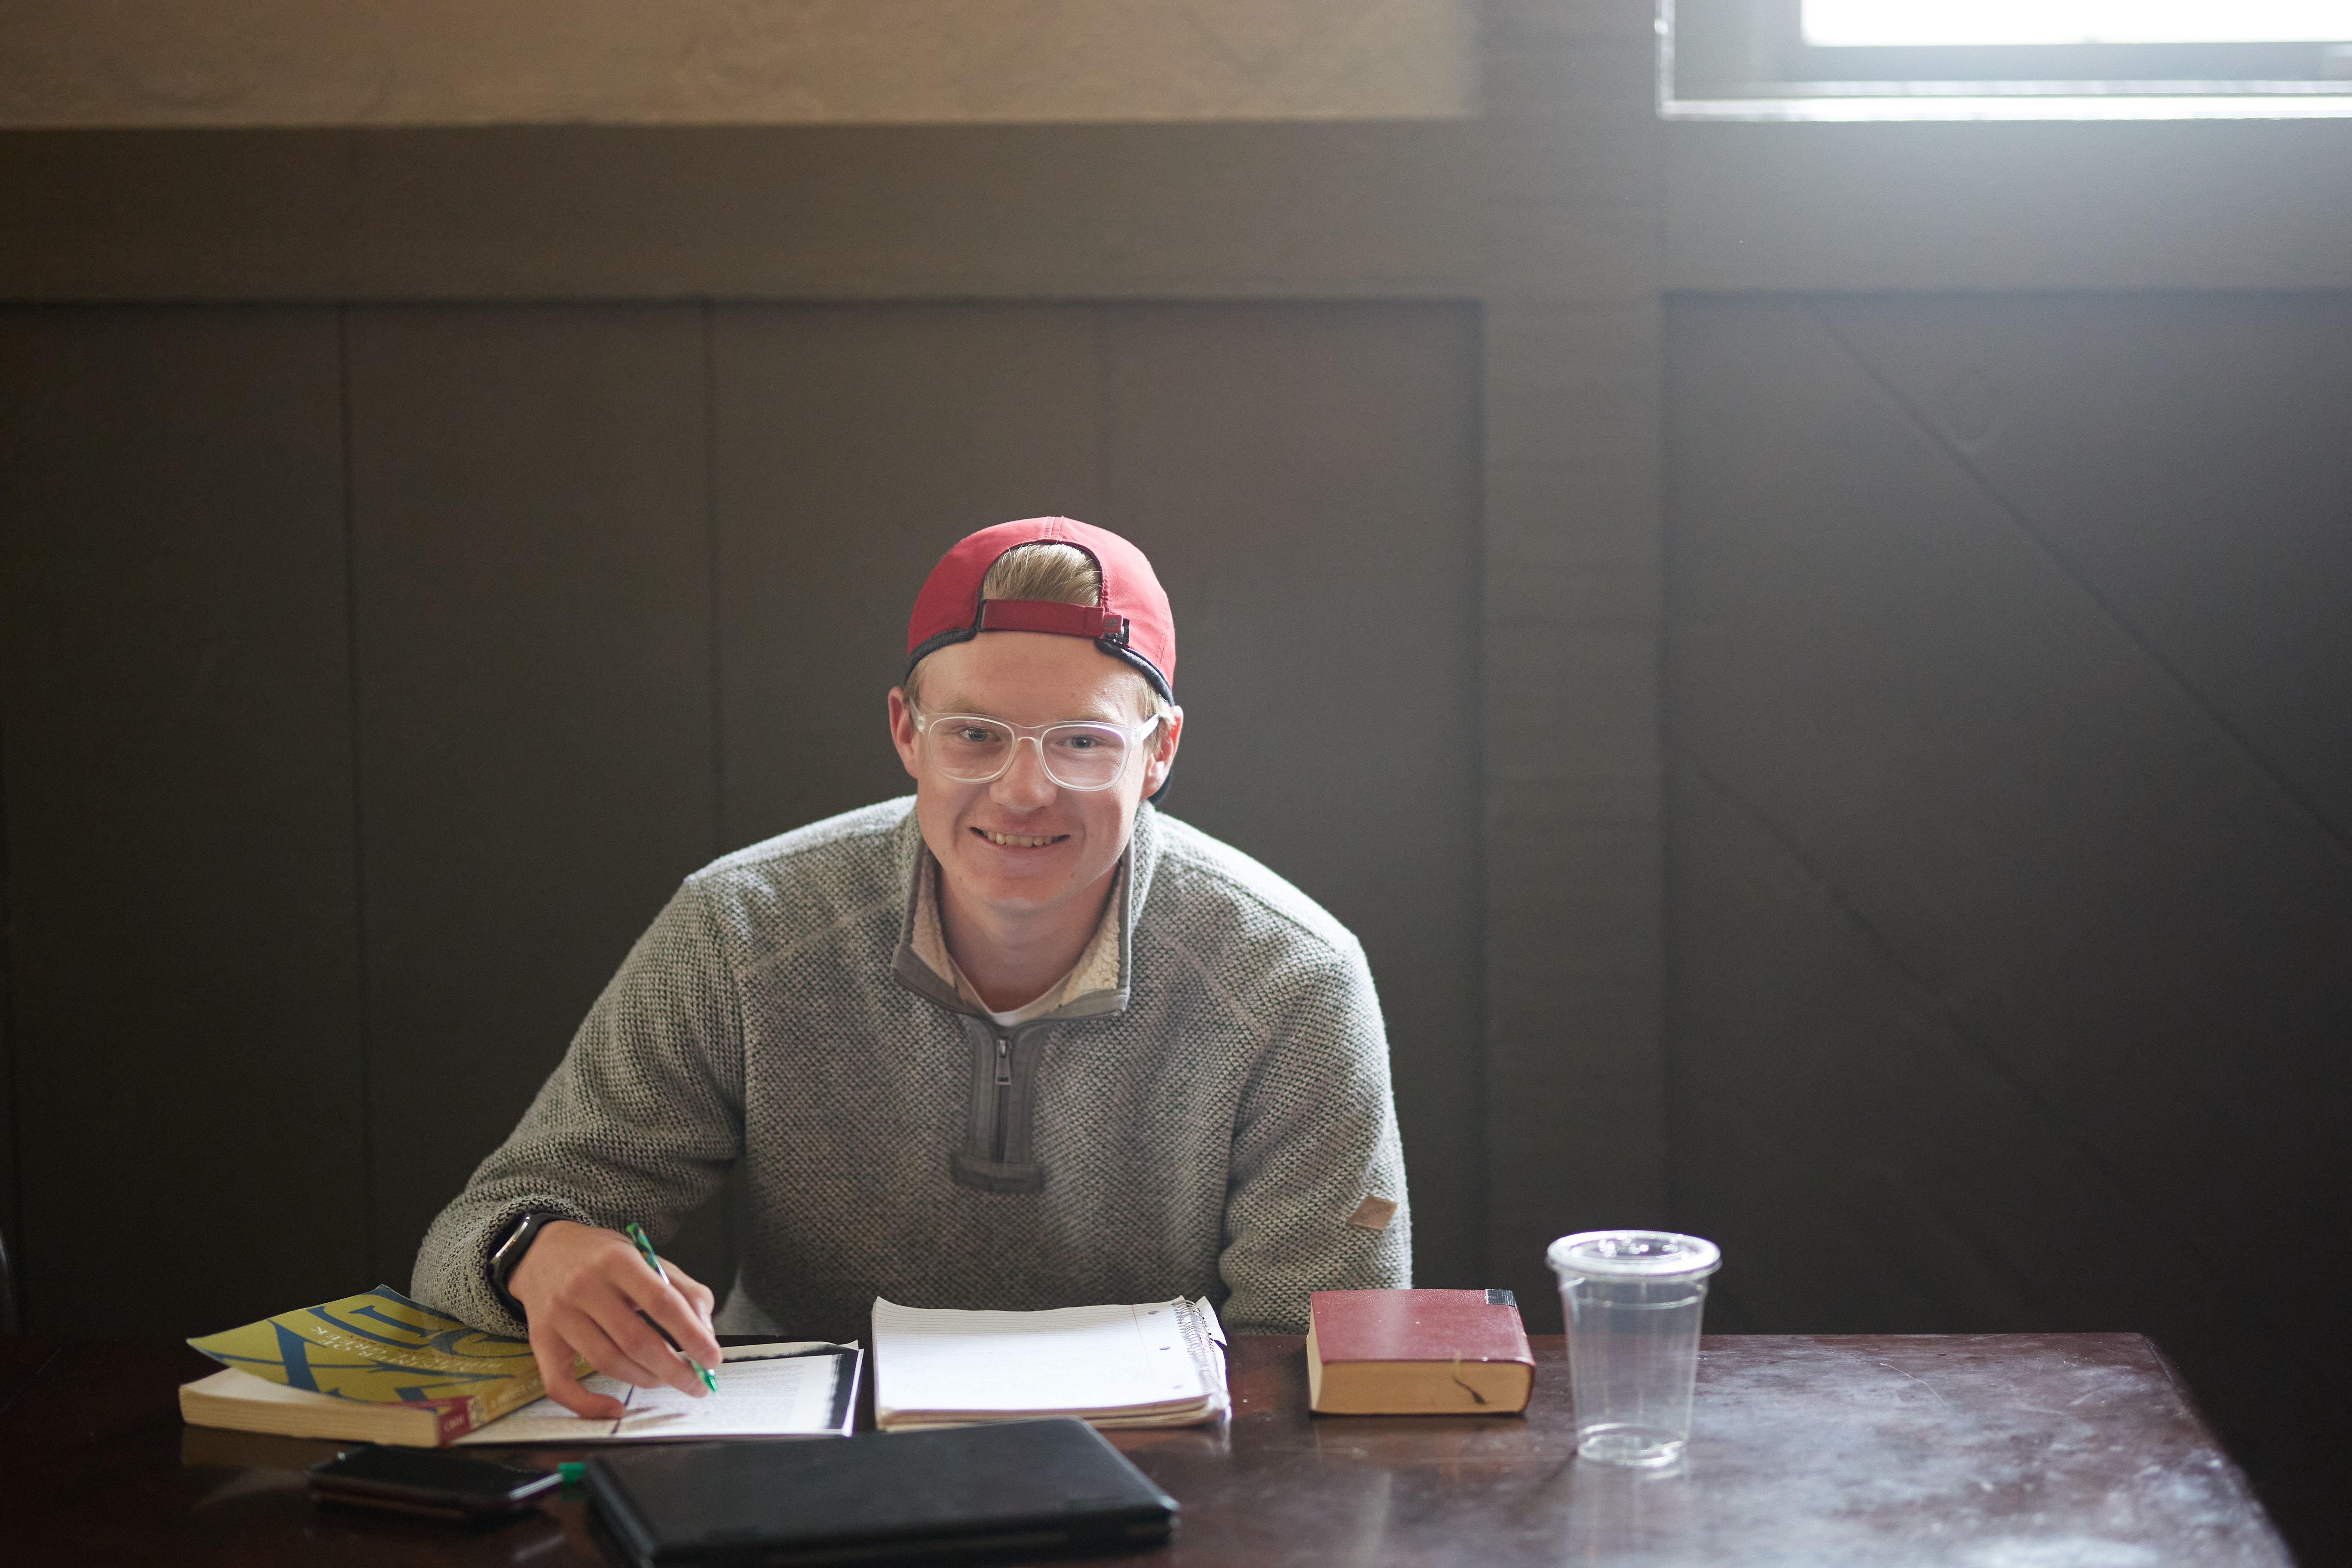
(637, 1233)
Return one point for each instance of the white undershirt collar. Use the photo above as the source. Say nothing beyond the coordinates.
(1096, 969)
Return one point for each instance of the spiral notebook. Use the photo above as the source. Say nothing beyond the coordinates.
(1151, 1364)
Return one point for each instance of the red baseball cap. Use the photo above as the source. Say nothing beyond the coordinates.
(1131, 622)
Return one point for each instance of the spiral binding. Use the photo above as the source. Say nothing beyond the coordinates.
(1198, 1340)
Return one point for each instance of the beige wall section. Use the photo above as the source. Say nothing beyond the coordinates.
(470, 62)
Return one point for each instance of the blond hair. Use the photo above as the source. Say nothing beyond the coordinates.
(1057, 572)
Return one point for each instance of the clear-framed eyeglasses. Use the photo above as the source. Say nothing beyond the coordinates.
(1079, 754)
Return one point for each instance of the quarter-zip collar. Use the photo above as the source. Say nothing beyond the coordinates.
(908, 967)
(1002, 1063)
(1095, 970)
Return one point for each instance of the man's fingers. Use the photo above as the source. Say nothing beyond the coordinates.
(635, 1343)
(698, 1295)
(555, 1358)
(675, 1370)
(622, 1347)
(585, 1287)
(642, 1339)
(684, 1308)
(668, 1307)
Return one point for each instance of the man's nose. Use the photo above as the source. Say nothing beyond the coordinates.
(1023, 784)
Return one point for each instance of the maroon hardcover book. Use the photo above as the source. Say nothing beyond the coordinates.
(1410, 1353)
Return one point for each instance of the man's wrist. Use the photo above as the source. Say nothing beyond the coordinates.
(519, 1233)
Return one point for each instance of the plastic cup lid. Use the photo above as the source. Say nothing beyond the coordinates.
(1632, 1255)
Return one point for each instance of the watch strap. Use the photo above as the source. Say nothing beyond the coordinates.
(521, 1233)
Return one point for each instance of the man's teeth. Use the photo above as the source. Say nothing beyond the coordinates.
(1016, 840)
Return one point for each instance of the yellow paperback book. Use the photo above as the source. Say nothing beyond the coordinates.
(377, 1366)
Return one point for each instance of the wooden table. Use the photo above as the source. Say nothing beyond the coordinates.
(1980, 1451)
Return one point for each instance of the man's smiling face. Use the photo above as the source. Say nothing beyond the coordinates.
(1022, 844)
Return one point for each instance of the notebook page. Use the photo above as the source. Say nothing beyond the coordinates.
(1070, 1358)
(760, 1395)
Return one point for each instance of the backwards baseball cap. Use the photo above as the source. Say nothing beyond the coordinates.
(1130, 621)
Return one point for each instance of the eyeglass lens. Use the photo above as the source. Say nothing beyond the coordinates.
(1078, 756)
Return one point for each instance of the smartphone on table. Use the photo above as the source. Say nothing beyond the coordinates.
(429, 1481)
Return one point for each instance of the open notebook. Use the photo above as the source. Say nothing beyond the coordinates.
(798, 1389)
(1154, 1363)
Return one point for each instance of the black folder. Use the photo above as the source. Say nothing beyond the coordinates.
(1016, 1485)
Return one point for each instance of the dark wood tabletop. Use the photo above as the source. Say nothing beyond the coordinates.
(1980, 1451)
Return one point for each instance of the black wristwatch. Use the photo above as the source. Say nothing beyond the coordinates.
(518, 1237)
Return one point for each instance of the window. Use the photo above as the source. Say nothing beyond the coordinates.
(2004, 60)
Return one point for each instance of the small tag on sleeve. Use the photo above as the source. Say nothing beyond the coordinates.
(1373, 1214)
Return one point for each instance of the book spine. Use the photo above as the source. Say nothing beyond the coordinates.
(453, 1418)
(496, 1402)
(483, 1408)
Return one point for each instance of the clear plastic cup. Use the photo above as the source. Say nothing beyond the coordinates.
(1634, 1299)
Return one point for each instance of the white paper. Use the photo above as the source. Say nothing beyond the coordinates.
(764, 1390)
(1068, 1359)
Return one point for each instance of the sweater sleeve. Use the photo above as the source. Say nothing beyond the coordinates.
(1316, 1161)
(640, 1121)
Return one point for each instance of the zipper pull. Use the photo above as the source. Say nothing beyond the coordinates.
(1004, 1059)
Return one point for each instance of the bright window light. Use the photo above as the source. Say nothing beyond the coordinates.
(1847, 23)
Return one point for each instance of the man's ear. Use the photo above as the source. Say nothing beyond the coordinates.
(1163, 751)
(902, 730)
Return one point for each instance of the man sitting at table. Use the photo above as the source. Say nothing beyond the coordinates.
(1020, 1042)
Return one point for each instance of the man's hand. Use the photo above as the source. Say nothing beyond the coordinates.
(583, 1289)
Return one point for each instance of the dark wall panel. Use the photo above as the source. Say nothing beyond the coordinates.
(2009, 930)
(2189, 457)
(535, 689)
(1872, 1163)
(179, 855)
(855, 445)
(1306, 482)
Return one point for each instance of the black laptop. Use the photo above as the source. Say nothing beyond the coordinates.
(1049, 1486)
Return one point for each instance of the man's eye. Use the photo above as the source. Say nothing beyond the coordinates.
(1081, 743)
(973, 735)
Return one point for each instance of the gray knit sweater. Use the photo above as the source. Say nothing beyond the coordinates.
(1210, 1125)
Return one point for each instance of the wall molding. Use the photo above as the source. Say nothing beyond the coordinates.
(1345, 210)
(2235, 205)
(1350, 210)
